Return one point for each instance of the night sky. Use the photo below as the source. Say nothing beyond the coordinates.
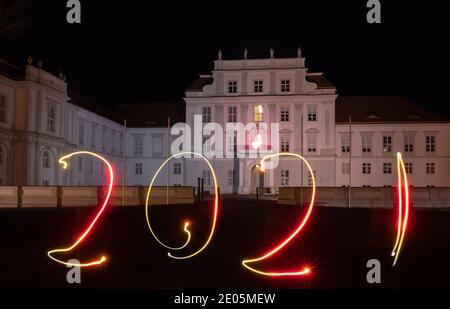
(151, 51)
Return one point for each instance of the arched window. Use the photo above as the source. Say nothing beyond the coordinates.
(45, 160)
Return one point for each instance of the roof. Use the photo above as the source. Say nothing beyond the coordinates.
(321, 81)
(151, 114)
(11, 70)
(199, 83)
(383, 109)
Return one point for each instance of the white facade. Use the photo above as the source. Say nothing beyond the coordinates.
(39, 123)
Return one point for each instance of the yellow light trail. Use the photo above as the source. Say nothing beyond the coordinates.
(186, 224)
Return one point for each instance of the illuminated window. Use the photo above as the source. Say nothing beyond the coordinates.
(387, 143)
(311, 143)
(387, 168)
(430, 145)
(310, 178)
(284, 113)
(258, 86)
(2, 108)
(94, 136)
(81, 133)
(138, 168)
(206, 114)
(80, 164)
(409, 143)
(430, 167)
(45, 160)
(285, 85)
(284, 143)
(231, 177)
(285, 177)
(366, 143)
(138, 145)
(257, 113)
(345, 168)
(366, 168)
(51, 112)
(312, 113)
(104, 134)
(345, 142)
(207, 177)
(232, 86)
(177, 168)
(232, 114)
(409, 168)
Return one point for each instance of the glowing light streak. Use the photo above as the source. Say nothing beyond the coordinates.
(64, 163)
(402, 215)
(186, 224)
(306, 269)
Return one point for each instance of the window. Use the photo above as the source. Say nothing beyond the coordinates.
(2, 108)
(206, 114)
(387, 168)
(138, 168)
(310, 178)
(345, 168)
(92, 165)
(284, 113)
(312, 143)
(387, 143)
(207, 177)
(409, 168)
(51, 118)
(430, 145)
(366, 168)
(232, 144)
(258, 86)
(138, 145)
(206, 144)
(366, 143)
(409, 143)
(80, 164)
(177, 168)
(231, 178)
(232, 86)
(345, 142)
(312, 113)
(430, 167)
(232, 114)
(284, 143)
(45, 183)
(45, 160)
(113, 141)
(81, 133)
(104, 133)
(284, 177)
(157, 145)
(285, 85)
(94, 136)
(257, 113)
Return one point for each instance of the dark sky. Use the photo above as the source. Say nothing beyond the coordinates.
(146, 50)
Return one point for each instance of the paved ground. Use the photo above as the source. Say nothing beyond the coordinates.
(337, 244)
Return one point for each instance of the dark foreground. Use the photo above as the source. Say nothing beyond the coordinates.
(337, 243)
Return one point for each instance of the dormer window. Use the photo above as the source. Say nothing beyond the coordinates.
(232, 86)
(258, 86)
(285, 85)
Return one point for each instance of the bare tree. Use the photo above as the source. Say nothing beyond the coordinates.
(16, 18)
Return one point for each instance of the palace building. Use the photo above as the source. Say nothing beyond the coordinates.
(347, 140)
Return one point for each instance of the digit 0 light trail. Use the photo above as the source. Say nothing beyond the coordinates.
(402, 207)
(187, 223)
(305, 270)
(64, 163)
